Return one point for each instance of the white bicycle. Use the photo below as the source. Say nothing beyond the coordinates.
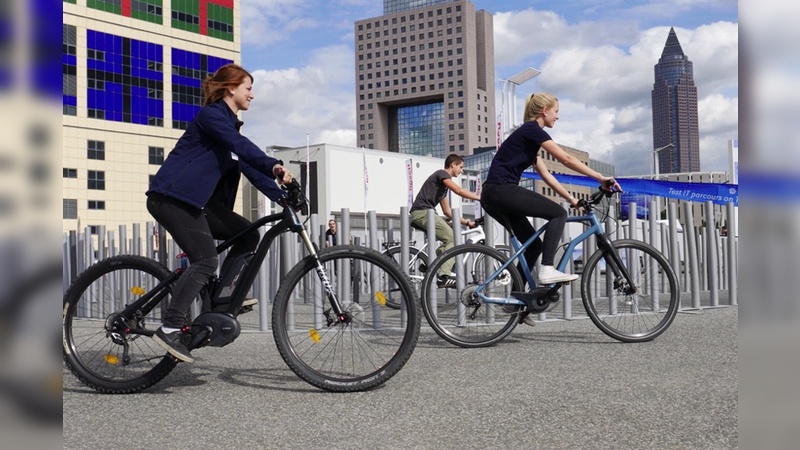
(418, 259)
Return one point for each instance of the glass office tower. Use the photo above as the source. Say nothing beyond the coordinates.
(675, 121)
(425, 78)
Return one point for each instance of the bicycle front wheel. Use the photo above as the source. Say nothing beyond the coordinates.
(635, 313)
(365, 346)
(98, 351)
(417, 266)
(456, 313)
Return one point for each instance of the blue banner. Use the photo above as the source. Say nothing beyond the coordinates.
(719, 193)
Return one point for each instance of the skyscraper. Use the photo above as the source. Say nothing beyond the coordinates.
(425, 78)
(675, 122)
(131, 84)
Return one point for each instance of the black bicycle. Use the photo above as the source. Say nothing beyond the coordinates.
(332, 327)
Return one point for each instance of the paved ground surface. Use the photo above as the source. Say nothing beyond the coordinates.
(560, 384)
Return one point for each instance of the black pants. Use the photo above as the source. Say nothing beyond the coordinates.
(195, 231)
(517, 204)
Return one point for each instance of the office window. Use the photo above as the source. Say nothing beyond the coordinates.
(70, 173)
(70, 208)
(69, 70)
(96, 180)
(155, 155)
(96, 150)
(96, 204)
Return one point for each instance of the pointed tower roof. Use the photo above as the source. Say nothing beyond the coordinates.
(672, 47)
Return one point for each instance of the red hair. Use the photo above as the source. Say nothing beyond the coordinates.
(227, 76)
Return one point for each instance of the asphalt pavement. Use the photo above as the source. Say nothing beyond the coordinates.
(560, 384)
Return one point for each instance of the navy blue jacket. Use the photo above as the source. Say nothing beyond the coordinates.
(201, 166)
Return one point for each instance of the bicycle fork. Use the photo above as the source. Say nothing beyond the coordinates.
(330, 293)
(622, 279)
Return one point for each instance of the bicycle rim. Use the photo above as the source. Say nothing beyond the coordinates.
(456, 314)
(365, 350)
(637, 317)
(95, 356)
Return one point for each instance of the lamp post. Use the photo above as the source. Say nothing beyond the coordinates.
(656, 173)
(655, 159)
(509, 98)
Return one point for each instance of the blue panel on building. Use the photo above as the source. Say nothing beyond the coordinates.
(131, 74)
(189, 69)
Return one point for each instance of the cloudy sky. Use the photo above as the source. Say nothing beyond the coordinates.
(597, 56)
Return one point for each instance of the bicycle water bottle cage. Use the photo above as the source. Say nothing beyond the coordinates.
(539, 299)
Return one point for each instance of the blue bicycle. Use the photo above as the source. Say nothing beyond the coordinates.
(628, 287)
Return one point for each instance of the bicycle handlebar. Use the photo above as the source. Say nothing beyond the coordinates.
(293, 196)
(597, 196)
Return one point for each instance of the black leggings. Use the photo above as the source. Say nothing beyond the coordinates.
(517, 204)
(195, 231)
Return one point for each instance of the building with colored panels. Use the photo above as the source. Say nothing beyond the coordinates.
(132, 72)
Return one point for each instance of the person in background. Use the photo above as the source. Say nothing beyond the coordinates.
(330, 233)
(192, 195)
(434, 192)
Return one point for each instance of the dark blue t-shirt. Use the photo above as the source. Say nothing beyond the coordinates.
(517, 153)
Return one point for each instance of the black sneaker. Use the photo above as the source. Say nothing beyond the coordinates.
(445, 281)
(174, 344)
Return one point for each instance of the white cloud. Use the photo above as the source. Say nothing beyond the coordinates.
(601, 70)
(315, 100)
(718, 114)
(266, 22)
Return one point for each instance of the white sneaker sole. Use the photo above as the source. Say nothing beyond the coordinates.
(566, 279)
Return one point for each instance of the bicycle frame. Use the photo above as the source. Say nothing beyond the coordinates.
(287, 221)
(421, 254)
(595, 228)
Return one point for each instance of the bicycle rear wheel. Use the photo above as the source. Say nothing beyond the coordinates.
(417, 266)
(631, 317)
(95, 350)
(456, 313)
(370, 343)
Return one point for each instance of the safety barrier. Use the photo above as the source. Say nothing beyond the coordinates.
(705, 261)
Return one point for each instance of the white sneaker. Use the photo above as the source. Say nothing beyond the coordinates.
(249, 302)
(549, 275)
